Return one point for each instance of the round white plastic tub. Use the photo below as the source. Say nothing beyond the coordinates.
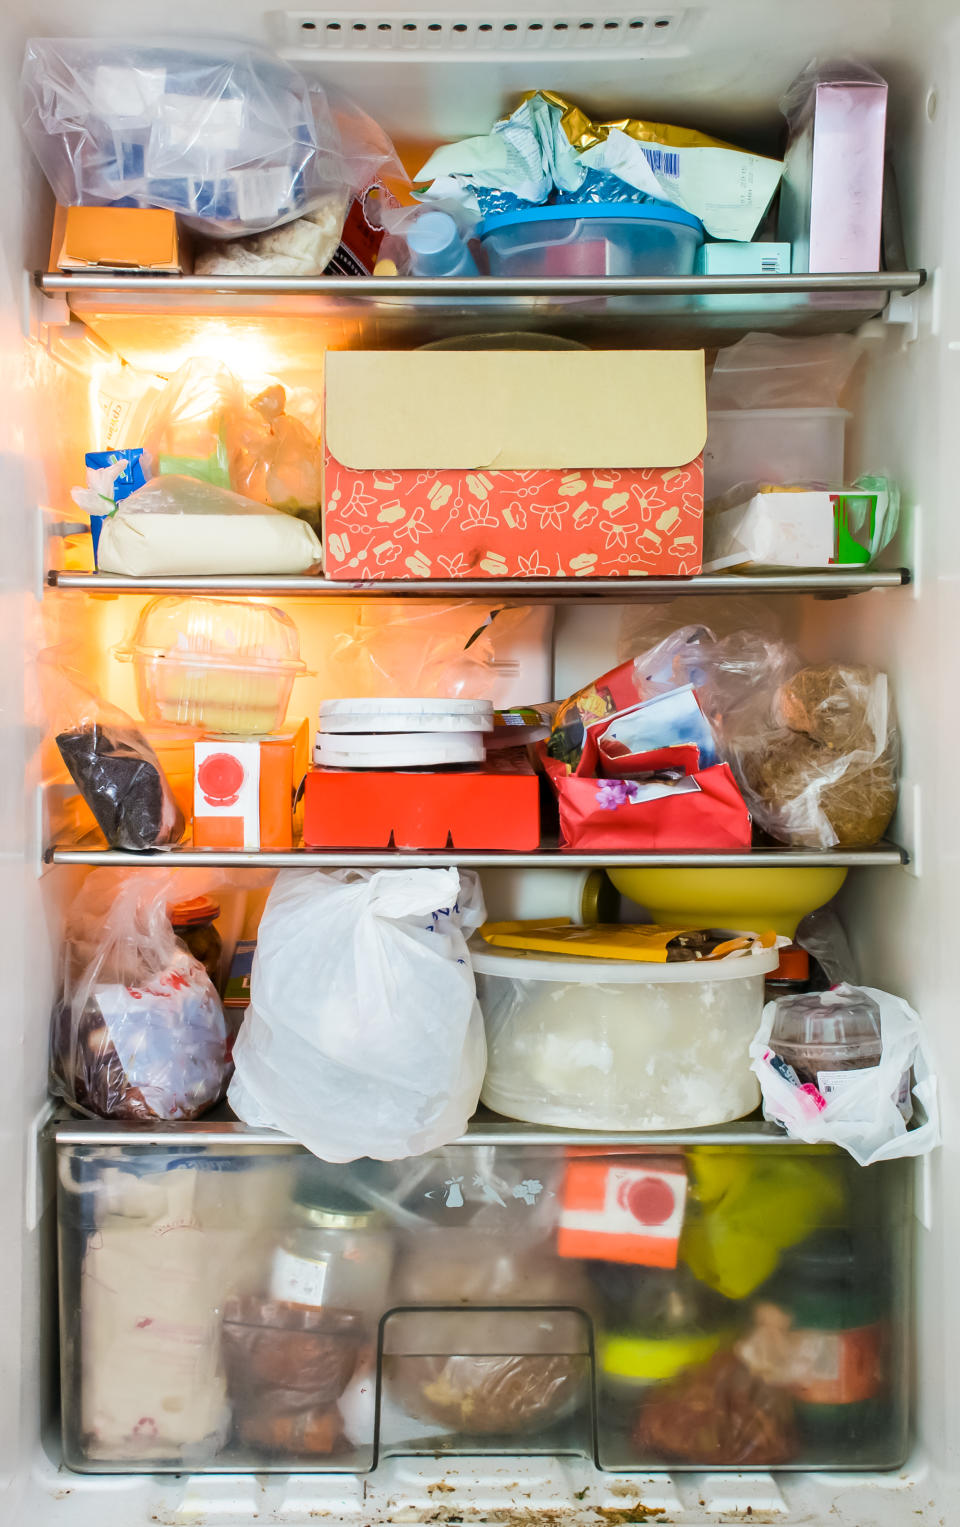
(621, 1045)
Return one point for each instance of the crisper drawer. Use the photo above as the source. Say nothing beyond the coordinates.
(244, 1306)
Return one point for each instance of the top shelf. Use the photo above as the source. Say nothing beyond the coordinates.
(672, 310)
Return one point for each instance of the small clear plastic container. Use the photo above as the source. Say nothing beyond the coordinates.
(221, 665)
(595, 239)
(774, 445)
(829, 1037)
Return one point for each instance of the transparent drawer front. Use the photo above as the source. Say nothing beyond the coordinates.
(708, 1306)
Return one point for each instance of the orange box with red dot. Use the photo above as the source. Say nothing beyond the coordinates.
(559, 463)
(623, 1209)
(246, 795)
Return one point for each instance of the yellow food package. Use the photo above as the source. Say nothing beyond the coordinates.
(615, 941)
(582, 133)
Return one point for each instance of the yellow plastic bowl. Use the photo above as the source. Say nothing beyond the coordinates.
(752, 899)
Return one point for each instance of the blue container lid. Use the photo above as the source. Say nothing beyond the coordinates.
(570, 212)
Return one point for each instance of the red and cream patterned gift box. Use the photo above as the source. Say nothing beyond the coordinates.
(513, 464)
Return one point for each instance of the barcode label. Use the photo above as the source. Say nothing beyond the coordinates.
(662, 161)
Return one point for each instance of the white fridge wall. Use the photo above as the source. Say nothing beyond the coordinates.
(723, 68)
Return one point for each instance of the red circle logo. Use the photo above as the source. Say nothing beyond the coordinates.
(221, 778)
(650, 1200)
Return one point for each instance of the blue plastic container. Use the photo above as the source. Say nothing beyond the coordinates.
(593, 239)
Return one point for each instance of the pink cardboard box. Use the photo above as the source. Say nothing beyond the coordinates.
(513, 464)
(831, 198)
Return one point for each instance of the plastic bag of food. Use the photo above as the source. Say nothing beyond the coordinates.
(363, 1036)
(138, 1031)
(227, 136)
(718, 1415)
(839, 1093)
(775, 371)
(111, 763)
(817, 756)
(183, 428)
(548, 149)
(273, 456)
(182, 525)
(815, 750)
(200, 425)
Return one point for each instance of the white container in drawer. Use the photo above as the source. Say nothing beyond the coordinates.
(776, 445)
(620, 1044)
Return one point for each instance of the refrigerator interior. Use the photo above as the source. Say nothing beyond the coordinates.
(720, 65)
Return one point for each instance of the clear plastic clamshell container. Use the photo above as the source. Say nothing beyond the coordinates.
(246, 1306)
(221, 665)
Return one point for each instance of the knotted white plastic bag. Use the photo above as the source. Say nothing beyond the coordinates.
(363, 1036)
(864, 1116)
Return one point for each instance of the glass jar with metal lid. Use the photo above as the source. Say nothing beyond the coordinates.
(337, 1252)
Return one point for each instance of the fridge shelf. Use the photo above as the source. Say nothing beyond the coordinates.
(881, 856)
(823, 583)
(221, 1128)
(144, 316)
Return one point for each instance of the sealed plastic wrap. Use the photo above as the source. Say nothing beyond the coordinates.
(854, 1060)
(112, 765)
(182, 525)
(138, 1031)
(227, 136)
(363, 1036)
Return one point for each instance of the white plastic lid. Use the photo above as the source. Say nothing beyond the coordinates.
(379, 716)
(533, 965)
(399, 751)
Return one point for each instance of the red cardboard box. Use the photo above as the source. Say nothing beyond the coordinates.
(345, 808)
(512, 464)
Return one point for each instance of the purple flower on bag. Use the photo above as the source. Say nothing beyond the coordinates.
(612, 793)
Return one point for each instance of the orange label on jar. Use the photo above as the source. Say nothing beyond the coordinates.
(836, 1367)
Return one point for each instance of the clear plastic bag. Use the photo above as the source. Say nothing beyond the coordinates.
(817, 756)
(111, 763)
(432, 651)
(363, 1036)
(862, 1116)
(815, 750)
(773, 371)
(181, 525)
(200, 425)
(227, 136)
(138, 1032)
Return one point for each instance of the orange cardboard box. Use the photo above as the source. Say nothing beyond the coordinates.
(345, 808)
(117, 238)
(245, 794)
(513, 464)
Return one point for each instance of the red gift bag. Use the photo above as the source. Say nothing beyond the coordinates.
(702, 809)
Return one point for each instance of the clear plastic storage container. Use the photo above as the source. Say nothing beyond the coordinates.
(591, 1044)
(527, 1309)
(775, 445)
(221, 665)
(593, 239)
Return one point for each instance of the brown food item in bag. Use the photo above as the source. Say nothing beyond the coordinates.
(834, 757)
(313, 1433)
(272, 1347)
(718, 1415)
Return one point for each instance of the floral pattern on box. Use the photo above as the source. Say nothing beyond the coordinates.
(513, 524)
